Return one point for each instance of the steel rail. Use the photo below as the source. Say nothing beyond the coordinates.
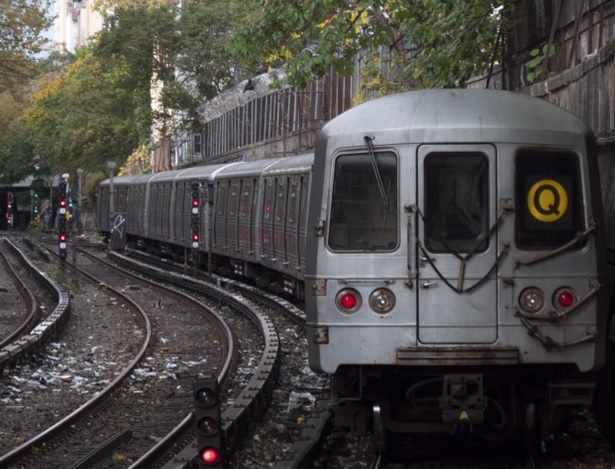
(33, 312)
(47, 434)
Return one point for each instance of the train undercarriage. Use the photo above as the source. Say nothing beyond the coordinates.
(530, 403)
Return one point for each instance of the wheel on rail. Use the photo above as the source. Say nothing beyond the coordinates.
(532, 439)
(378, 430)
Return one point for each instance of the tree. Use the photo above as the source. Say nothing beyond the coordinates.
(203, 62)
(16, 156)
(83, 117)
(21, 25)
(432, 43)
(142, 40)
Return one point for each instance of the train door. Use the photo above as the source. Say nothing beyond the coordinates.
(247, 214)
(267, 224)
(232, 210)
(457, 249)
(219, 228)
(292, 222)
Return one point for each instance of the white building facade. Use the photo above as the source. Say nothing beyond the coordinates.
(75, 23)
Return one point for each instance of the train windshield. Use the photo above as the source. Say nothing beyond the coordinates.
(364, 203)
(548, 199)
(456, 202)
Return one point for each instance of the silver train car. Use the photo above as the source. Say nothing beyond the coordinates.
(252, 220)
(449, 246)
(458, 278)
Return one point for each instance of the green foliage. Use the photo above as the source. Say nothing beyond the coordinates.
(435, 43)
(21, 24)
(535, 64)
(82, 117)
(140, 41)
(35, 228)
(16, 154)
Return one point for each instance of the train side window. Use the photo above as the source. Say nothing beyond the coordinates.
(548, 199)
(456, 202)
(364, 203)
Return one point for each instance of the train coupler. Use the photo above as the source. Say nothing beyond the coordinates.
(462, 402)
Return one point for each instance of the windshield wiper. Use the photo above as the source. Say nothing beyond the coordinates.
(372, 154)
(383, 193)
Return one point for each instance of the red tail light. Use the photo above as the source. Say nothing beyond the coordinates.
(348, 300)
(565, 298)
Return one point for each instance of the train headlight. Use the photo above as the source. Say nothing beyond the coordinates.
(348, 300)
(532, 300)
(564, 298)
(382, 301)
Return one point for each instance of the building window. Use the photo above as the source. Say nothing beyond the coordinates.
(196, 144)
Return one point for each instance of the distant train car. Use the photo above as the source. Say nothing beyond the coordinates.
(449, 246)
(456, 276)
(252, 217)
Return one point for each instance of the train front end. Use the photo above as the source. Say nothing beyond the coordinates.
(456, 279)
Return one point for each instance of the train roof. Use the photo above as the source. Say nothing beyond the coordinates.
(268, 166)
(299, 163)
(454, 115)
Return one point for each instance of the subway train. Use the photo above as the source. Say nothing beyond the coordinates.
(449, 246)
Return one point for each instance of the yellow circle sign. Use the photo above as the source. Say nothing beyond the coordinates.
(547, 200)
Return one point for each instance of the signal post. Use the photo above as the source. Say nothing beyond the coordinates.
(9, 210)
(195, 221)
(62, 221)
(209, 435)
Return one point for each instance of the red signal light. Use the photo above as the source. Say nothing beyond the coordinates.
(62, 238)
(62, 203)
(209, 455)
(195, 236)
(195, 203)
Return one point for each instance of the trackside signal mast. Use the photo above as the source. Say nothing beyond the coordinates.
(209, 435)
(62, 221)
(9, 210)
(195, 218)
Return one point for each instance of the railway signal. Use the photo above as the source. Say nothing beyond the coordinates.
(195, 194)
(36, 207)
(9, 209)
(62, 223)
(209, 438)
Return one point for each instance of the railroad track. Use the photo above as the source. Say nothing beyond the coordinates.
(13, 324)
(45, 305)
(151, 425)
(244, 406)
(304, 448)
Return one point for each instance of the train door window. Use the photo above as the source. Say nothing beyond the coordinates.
(548, 199)
(456, 202)
(364, 203)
